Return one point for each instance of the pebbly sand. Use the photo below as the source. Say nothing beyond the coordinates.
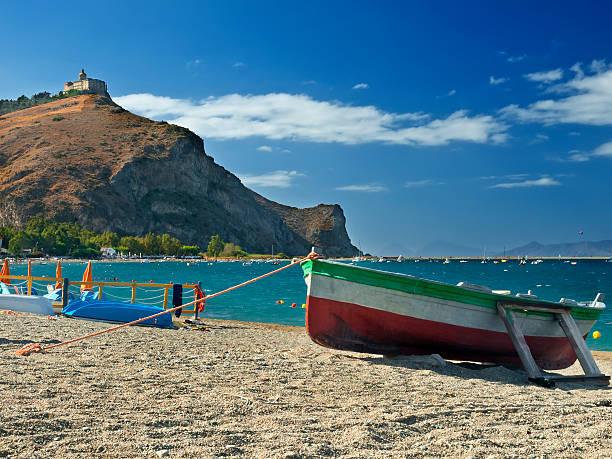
(255, 390)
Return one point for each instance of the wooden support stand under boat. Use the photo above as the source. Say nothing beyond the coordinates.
(566, 322)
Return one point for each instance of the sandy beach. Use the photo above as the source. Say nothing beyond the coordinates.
(256, 390)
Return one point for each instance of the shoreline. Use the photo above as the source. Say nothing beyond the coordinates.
(155, 259)
(266, 390)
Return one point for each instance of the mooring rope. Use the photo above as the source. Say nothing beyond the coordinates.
(33, 347)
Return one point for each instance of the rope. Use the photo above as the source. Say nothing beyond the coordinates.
(33, 347)
(8, 312)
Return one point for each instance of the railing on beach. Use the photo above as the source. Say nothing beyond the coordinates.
(127, 292)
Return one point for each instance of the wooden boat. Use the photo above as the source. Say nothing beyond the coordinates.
(365, 310)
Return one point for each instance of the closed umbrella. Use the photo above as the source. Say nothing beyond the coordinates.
(5, 272)
(87, 276)
(58, 274)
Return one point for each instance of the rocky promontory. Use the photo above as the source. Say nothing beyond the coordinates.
(86, 159)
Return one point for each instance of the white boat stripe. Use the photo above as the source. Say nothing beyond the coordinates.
(432, 309)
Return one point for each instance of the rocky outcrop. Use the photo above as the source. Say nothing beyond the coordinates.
(86, 159)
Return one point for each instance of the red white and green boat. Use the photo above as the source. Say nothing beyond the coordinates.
(366, 310)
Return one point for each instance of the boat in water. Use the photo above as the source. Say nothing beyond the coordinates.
(366, 310)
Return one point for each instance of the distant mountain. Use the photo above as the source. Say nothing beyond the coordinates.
(570, 249)
(447, 249)
(395, 250)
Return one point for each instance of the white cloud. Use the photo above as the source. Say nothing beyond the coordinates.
(264, 148)
(598, 66)
(238, 64)
(545, 77)
(276, 179)
(452, 92)
(298, 117)
(578, 156)
(577, 69)
(193, 63)
(513, 59)
(361, 86)
(308, 82)
(574, 133)
(419, 183)
(604, 150)
(585, 99)
(542, 181)
(495, 81)
(367, 188)
(539, 138)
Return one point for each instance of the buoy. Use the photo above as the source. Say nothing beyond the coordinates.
(596, 335)
(282, 302)
(293, 305)
(304, 305)
(278, 301)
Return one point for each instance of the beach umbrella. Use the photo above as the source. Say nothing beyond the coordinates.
(5, 272)
(87, 276)
(58, 274)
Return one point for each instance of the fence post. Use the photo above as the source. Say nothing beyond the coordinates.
(65, 285)
(166, 297)
(99, 291)
(30, 286)
(133, 293)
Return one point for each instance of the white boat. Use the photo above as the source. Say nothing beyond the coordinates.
(27, 303)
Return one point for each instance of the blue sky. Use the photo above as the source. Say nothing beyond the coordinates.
(476, 123)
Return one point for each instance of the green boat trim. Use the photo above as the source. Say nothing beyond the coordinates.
(434, 289)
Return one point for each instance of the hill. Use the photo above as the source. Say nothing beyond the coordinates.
(86, 159)
(573, 249)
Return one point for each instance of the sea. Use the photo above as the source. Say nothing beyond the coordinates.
(278, 299)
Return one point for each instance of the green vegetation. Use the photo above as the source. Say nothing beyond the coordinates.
(218, 248)
(57, 118)
(9, 105)
(215, 246)
(70, 239)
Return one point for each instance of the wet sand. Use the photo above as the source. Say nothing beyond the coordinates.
(244, 389)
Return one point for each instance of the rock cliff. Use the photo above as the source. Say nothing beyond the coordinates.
(86, 159)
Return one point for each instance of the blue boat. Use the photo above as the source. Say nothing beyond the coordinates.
(115, 311)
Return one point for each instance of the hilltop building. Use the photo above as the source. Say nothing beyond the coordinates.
(88, 85)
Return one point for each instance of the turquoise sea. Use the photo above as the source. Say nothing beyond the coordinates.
(258, 302)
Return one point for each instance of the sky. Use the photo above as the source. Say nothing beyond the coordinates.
(481, 124)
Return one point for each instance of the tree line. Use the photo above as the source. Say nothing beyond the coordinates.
(44, 237)
(23, 101)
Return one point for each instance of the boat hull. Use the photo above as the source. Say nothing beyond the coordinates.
(371, 315)
(27, 303)
(113, 311)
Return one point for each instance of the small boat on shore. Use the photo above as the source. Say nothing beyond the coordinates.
(116, 312)
(366, 310)
(27, 303)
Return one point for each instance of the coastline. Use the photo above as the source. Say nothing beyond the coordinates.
(266, 390)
